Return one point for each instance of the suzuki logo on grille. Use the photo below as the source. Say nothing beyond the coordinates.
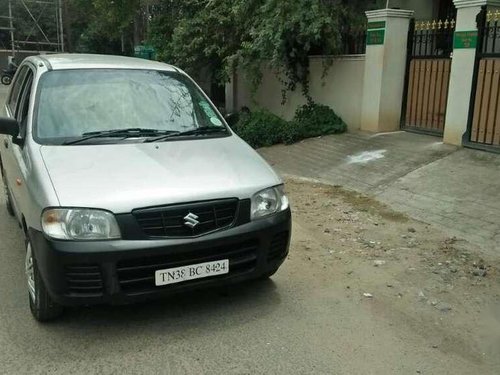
(191, 220)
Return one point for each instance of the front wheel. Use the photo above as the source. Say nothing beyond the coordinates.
(43, 308)
(6, 80)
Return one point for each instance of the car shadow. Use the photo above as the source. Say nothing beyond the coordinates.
(234, 304)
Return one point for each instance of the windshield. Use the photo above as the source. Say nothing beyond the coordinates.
(72, 103)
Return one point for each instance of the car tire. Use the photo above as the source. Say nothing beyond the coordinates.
(6, 80)
(43, 308)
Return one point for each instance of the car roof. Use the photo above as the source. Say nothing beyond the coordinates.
(88, 61)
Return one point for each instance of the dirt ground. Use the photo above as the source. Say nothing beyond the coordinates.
(365, 291)
(403, 271)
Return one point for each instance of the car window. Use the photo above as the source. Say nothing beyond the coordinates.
(24, 100)
(73, 102)
(16, 88)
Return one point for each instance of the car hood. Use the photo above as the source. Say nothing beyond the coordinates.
(123, 177)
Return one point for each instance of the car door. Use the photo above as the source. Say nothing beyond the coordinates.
(11, 152)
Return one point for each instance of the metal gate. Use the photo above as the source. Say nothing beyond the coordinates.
(484, 117)
(430, 45)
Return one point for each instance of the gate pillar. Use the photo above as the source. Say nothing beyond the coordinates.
(462, 68)
(384, 69)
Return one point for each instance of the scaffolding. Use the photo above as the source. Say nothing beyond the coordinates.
(42, 26)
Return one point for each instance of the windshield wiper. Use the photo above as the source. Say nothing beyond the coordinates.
(127, 133)
(198, 131)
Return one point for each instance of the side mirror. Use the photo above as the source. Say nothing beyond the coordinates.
(9, 126)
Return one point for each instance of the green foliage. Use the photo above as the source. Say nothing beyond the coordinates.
(211, 36)
(285, 34)
(220, 35)
(198, 35)
(262, 128)
(317, 119)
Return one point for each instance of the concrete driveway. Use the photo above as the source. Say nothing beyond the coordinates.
(454, 189)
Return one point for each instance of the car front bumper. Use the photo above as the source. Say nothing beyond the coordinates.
(120, 272)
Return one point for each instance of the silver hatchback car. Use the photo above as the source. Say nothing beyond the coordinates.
(129, 185)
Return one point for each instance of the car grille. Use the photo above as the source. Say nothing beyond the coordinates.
(170, 221)
(138, 275)
(279, 246)
(84, 280)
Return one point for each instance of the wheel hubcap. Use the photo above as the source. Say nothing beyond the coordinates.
(30, 273)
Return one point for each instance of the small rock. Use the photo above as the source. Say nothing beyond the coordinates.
(480, 272)
(378, 263)
(350, 272)
(326, 230)
(368, 295)
(435, 346)
(434, 303)
(440, 264)
(443, 307)
(411, 244)
(390, 285)
(404, 236)
(453, 270)
(421, 296)
(412, 230)
(370, 245)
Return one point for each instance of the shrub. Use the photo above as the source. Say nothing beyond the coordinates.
(316, 119)
(260, 128)
(292, 132)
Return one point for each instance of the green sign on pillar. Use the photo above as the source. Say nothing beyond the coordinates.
(465, 39)
(375, 34)
(375, 37)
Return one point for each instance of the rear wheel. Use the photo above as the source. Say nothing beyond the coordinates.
(6, 80)
(42, 306)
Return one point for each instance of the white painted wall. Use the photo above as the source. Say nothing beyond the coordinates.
(341, 89)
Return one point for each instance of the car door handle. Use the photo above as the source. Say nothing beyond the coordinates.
(6, 143)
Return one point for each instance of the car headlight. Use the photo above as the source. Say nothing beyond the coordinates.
(79, 224)
(268, 202)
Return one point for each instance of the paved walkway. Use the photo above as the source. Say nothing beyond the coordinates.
(455, 189)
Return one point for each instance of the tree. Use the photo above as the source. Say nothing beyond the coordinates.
(223, 34)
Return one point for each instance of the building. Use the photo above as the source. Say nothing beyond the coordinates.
(430, 66)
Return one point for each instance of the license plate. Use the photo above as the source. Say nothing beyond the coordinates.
(194, 271)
